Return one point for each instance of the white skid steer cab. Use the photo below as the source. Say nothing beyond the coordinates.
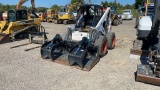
(85, 42)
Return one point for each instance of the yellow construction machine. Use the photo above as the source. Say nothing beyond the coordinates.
(42, 17)
(51, 15)
(18, 23)
(65, 14)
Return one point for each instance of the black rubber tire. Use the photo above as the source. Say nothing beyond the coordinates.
(111, 38)
(100, 43)
(115, 22)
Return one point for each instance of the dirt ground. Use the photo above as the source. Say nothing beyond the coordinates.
(20, 70)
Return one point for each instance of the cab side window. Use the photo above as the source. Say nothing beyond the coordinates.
(21, 15)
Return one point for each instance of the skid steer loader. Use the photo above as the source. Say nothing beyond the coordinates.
(84, 43)
(149, 72)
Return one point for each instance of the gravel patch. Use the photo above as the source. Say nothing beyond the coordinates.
(20, 70)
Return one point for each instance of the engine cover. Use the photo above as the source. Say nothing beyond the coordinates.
(145, 23)
(77, 35)
(144, 27)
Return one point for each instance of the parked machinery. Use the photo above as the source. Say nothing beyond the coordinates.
(150, 73)
(65, 16)
(51, 15)
(85, 42)
(115, 19)
(18, 23)
(42, 17)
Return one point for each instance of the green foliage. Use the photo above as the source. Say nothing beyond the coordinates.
(75, 4)
(120, 7)
(79, 1)
(41, 9)
(138, 2)
(10, 7)
(55, 7)
(104, 4)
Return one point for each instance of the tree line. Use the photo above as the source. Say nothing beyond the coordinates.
(38, 9)
(56, 7)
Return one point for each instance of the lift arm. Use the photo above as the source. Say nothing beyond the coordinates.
(104, 18)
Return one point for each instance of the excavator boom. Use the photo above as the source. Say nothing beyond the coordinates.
(22, 2)
(33, 4)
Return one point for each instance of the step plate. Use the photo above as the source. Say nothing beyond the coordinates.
(139, 54)
(145, 74)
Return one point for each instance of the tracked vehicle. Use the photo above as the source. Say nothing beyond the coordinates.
(18, 23)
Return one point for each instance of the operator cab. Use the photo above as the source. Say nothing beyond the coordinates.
(63, 10)
(88, 16)
(18, 15)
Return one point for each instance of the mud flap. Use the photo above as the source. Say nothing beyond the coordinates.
(4, 38)
(145, 74)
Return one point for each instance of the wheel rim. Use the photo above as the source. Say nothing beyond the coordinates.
(113, 41)
(104, 47)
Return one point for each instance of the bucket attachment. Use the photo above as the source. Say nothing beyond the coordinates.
(145, 74)
(4, 38)
(78, 54)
